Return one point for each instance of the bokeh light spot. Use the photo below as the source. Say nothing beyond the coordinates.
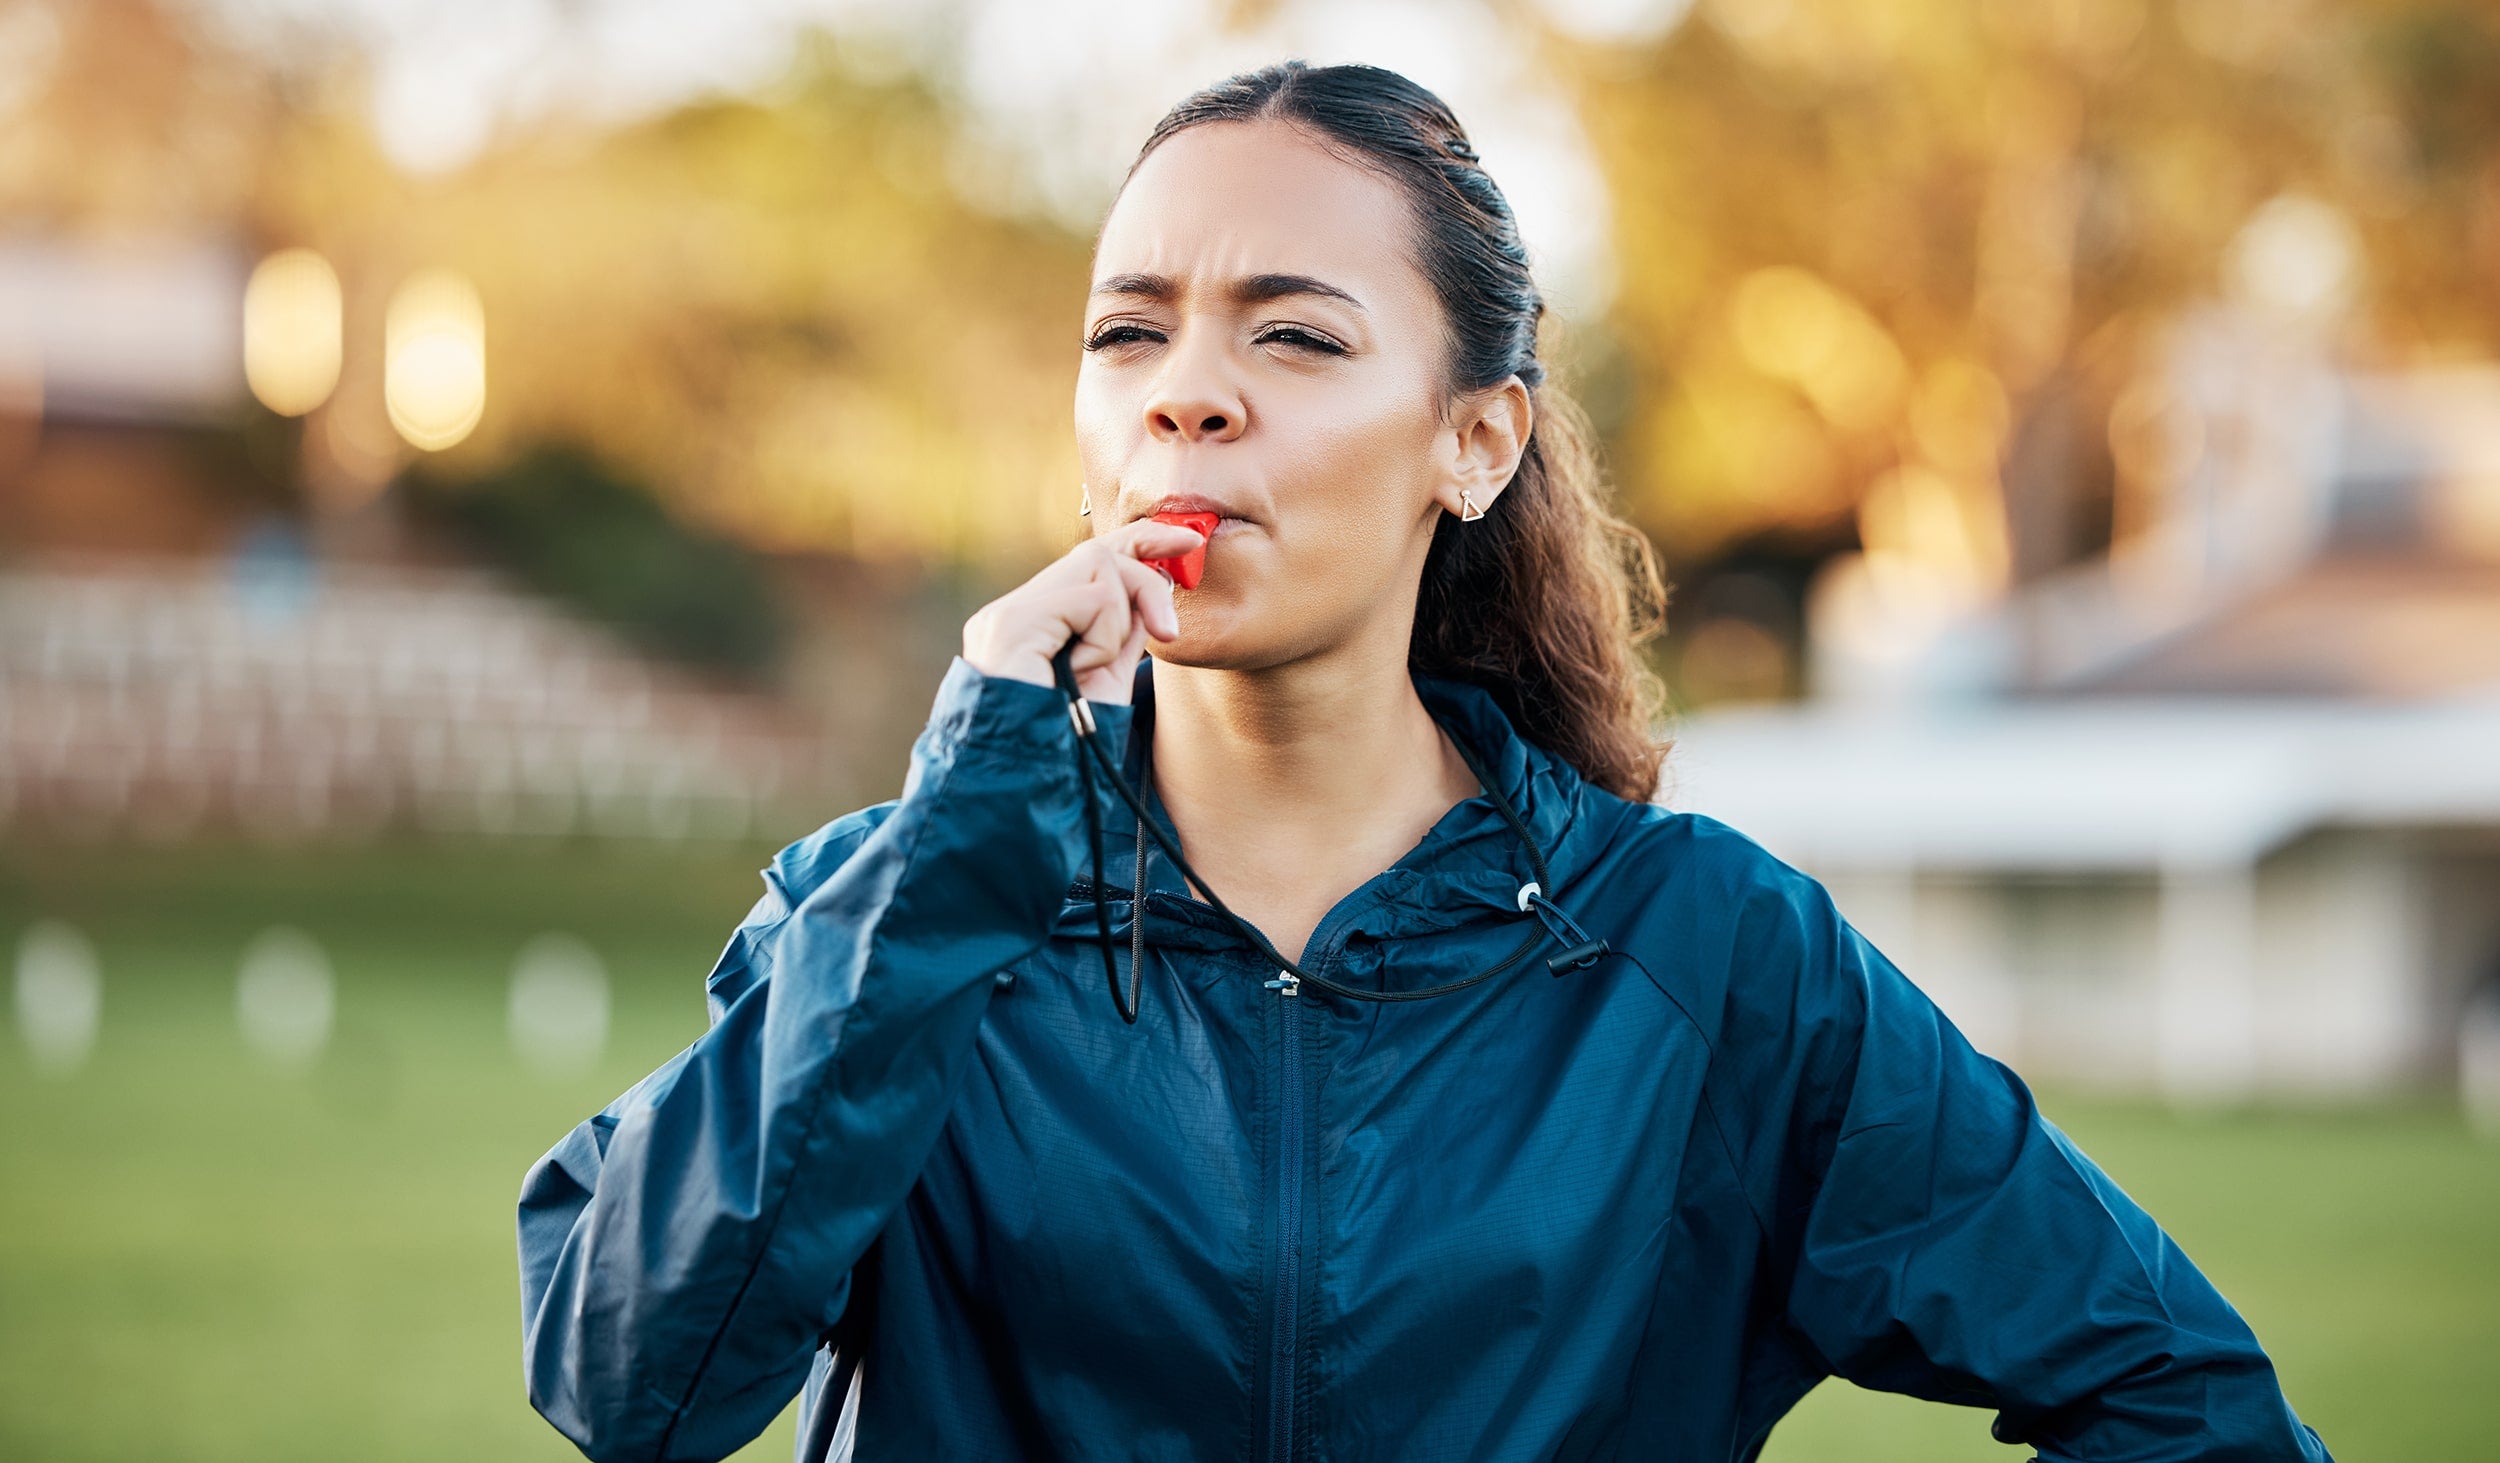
(60, 996)
(1791, 325)
(558, 1012)
(292, 329)
(434, 361)
(2297, 258)
(285, 998)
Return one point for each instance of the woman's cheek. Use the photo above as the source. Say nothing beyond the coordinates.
(1347, 542)
(1101, 410)
(1374, 470)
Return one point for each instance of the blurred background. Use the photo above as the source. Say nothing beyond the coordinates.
(477, 476)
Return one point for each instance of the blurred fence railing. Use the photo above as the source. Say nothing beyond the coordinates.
(294, 701)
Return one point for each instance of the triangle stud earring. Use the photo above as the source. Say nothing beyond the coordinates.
(1468, 512)
(1084, 500)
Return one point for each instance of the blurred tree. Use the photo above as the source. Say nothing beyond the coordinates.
(797, 315)
(571, 527)
(1887, 272)
(1890, 267)
(807, 317)
(117, 118)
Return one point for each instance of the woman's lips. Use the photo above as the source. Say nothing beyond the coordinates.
(1191, 503)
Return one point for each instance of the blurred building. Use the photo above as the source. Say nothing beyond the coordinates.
(2214, 813)
(177, 659)
(112, 358)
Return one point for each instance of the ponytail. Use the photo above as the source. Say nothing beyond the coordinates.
(1543, 603)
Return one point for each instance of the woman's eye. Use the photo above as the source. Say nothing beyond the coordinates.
(1300, 339)
(1111, 335)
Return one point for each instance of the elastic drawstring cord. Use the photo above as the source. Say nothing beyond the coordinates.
(1581, 951)
(1083, 717)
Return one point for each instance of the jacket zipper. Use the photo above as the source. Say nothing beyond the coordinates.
(1288, 1224)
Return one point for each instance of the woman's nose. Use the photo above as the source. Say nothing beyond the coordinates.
(1193, 421)
(1194, 411)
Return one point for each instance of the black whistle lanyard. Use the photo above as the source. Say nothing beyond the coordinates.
(1579, 950)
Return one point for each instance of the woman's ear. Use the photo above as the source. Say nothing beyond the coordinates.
(1486, 437)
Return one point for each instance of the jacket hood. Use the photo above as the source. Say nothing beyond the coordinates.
(1467, 869)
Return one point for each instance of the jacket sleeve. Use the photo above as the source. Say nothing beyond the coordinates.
(1951, 1243)
(684, 1252)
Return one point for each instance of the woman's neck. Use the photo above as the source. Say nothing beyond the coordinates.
(1293, 785)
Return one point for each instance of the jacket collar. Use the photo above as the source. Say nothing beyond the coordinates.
(1468, 868)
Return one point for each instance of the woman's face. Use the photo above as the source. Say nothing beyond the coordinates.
(1261, 343)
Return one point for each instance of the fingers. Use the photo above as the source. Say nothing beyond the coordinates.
(1120, 556)
(1147, 539)
(1095, 613)
(1128, 544)
(1100, 640)
(1150, 591)
(1100, 593)
(1112, 682)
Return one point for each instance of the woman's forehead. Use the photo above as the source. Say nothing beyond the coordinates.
(1228, 201)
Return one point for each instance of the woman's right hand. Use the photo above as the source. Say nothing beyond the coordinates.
(1102, 592)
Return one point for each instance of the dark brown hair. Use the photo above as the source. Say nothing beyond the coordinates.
(1544, 601)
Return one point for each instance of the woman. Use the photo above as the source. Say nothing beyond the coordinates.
(1490, 1113)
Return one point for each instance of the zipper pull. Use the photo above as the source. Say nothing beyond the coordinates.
(1287, 982)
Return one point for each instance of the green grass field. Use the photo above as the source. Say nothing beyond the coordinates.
(202, 1259)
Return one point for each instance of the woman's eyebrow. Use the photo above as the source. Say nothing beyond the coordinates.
(1158, 287)
(1260, 288)
(1250, 290)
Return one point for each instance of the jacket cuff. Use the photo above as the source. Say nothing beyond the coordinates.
(998, 717)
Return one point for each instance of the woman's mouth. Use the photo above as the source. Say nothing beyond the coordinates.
(1193, 503)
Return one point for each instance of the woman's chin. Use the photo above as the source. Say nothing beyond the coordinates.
(1216, 647)
(1238, 628)
(1195, 651)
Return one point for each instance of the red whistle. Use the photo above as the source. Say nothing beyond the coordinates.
(1189, 568)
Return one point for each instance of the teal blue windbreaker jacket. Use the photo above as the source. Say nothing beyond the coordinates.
(919, 1170)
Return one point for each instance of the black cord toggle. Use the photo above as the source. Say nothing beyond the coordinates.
(1580, 949)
